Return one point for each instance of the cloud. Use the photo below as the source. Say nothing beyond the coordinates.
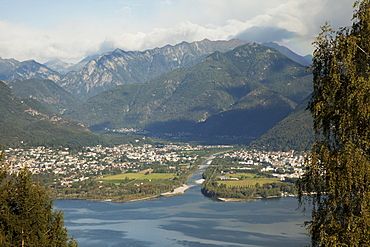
(183, 31)
(167, 2)
(266, 34)
(294, 23)
(146, 24)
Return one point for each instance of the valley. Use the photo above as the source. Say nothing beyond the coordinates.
(128, 172)
(211, 92)
(107, 131)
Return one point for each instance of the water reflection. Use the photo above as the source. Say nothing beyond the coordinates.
(187, 220)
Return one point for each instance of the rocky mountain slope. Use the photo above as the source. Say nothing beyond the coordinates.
(11, 69)
(59, 66)
(125, 67)
(193, 91)
(242, 92)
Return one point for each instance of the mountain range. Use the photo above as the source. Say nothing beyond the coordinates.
(64, 68)
(210, 91)
(11, 69)
(127, 67)
(243, 92)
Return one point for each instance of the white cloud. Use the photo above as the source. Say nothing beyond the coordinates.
(167, 2)
(145, 25)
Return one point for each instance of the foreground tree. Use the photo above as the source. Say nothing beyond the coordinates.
(27, 217)
(337, 181)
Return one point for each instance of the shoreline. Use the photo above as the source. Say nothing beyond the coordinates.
(177, 191)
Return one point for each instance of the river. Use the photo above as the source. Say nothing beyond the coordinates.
(187, 220)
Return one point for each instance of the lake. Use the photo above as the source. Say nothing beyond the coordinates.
(187, 220)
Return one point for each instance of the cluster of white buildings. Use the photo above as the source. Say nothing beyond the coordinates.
(70, 166)
(281, 164)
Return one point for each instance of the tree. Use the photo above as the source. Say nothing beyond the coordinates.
(27, 217)
(337, 180)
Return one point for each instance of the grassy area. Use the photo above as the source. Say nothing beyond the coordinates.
(153, 181)
(160, 176)
(145, 171)
(249, 182)
(184, 165)
(245, 175)
(152, 176)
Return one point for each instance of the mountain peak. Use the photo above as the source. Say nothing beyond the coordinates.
(126, 67)
(306, 60)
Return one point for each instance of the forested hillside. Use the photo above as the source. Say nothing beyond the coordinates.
(243, 92)
(25, 122)
(234, 95)
(47, 92)
(295, 132)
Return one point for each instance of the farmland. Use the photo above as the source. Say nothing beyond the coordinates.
(250, 174)
(138, 176)
(249, 182)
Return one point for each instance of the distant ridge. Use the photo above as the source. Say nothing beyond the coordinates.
(126, 67)
(58, 66)
(11, 69)
(221, 91)
(241, 93)
(304, 60)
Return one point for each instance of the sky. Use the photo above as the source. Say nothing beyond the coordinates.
(71, 30)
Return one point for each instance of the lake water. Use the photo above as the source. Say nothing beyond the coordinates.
(187, 220)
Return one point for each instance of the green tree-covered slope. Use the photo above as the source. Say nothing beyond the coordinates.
(295, 132)
(252, 86)
(27, 122)
(46, 92)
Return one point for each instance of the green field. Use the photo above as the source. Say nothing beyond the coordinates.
(184, 165)
(151, 176)
(246, 175)
(249, 182)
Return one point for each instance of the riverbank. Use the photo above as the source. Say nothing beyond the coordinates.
(185, 220)
(146, 193)
(236, 200)
(178, 191)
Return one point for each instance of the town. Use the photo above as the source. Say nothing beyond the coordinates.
(95, 162)
(281, 164)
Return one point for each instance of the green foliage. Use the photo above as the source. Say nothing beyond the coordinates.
(250, 186)
(337, 177)
(46, 92)
(225, 94)
(294, 132)
(25, 122)
(27, 217)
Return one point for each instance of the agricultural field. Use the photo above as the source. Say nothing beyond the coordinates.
(248, 182)
(243, 175)
(138, 176)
